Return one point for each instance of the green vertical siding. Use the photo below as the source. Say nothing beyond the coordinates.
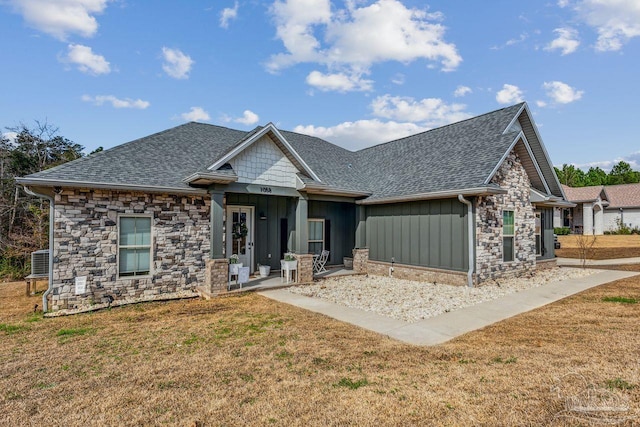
(426, 233)
(343, 226)
(267, 231)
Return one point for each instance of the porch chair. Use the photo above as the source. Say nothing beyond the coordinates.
(320, 261)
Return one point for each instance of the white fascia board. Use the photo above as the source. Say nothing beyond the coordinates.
(535, 163)
(268, 128)
(503, 158)
(544, 150)
(108, 186)
(515, 118)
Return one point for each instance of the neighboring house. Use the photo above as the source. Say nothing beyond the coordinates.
(463, 203)
(600, 208)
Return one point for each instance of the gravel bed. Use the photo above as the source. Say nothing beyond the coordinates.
(412, 301)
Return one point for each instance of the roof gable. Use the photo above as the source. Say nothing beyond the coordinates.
(272, 132)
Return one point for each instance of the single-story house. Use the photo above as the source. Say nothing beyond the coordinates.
(462, 204)
(600, 208)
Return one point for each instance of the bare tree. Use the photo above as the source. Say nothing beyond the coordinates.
(585, 244)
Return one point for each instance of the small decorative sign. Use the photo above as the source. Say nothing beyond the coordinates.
(81, 285)
(243, 275)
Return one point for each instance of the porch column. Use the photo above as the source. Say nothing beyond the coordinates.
(587, 219)
(361, 227)
(302, 230)
(217, 215)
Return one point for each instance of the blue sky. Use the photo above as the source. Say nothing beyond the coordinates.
(353, 72)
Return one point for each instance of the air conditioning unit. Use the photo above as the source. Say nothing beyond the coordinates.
(40, 263)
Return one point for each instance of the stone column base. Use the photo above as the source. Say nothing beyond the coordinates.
(360, 260)
(216, 276)
(305, 268)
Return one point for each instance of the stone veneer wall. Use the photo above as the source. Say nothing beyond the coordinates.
(86, 238)
(489, 264)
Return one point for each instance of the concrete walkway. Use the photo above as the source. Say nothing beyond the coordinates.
(615, 261)
(444, 327)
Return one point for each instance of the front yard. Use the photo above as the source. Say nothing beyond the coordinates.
(605, 246)
(247, 360)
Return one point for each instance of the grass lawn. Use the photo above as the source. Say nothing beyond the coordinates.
(605, 247)
(247, 360)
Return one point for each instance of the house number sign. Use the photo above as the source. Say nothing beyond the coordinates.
(266, 190)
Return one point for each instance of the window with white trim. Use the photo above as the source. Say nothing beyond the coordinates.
(508, 236)
(134, 246)
(316, 236)
(538, 232)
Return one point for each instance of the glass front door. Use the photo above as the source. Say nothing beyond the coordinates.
(240, 234)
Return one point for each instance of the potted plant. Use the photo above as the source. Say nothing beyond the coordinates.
(290, 261)
(265, 270)
(234, 264)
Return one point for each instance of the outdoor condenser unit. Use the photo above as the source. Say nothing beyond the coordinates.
(40, 263)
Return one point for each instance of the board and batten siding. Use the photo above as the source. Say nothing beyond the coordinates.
(547, 233)
(430, 233)
(340, 233)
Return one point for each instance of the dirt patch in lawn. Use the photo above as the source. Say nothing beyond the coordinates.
(249, 360)
(605, 247)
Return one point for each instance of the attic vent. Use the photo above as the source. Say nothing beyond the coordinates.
(40, 263)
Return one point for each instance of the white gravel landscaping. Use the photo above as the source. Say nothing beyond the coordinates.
(412, 301)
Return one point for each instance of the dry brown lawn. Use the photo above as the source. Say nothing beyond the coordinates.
(605, 247)
(247, 360)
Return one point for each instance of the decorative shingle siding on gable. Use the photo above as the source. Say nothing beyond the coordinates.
(86, 237)
(489, 265)
(263, 163)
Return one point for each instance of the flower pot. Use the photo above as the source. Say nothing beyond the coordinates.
(265, 270)
(290, 265)
(233, 268)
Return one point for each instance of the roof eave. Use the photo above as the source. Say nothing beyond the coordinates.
(332, 191)
(201, 178)
(474, 191)
(108, 186)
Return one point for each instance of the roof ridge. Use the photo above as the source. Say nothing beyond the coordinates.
(442, 127)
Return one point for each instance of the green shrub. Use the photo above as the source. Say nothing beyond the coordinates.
(561, 231)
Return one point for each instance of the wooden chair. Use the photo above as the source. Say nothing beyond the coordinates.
(320, 261)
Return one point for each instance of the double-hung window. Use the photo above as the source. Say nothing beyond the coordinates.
(508, 234)
(316, 236)
(134, 250)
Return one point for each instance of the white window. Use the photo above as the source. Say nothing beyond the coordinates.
(316, 236)
(508, 233)
(537, 232)
(134, 246)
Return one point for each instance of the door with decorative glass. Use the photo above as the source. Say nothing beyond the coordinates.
(240, 234)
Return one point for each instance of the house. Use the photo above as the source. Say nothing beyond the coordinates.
(160, 215)
(600, 208)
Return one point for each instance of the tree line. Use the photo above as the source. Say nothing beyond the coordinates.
(621, 173)
(24, 220)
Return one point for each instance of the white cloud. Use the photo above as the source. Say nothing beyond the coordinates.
(563, 3)
(117, 102)
(521, 38)
(340, 82)
(228, 14)
(196, 114)
(362, 133)
(633, 159)
(406, 116)
(562, 93)
(87, 61)
(616, 21)
(355, 38)
(429, 112)
(509, 94)
(398, 79)
(567, 41)
(176, 63)
(10, 136)
(541, 103)
(60, 18)
(248, 118)
(462, 91)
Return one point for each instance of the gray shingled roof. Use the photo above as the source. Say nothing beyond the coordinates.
(457, 156)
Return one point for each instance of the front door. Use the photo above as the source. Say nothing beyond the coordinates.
(240, 234)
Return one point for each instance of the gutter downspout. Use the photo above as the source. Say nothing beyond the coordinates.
(470, 237)
(27, 190)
